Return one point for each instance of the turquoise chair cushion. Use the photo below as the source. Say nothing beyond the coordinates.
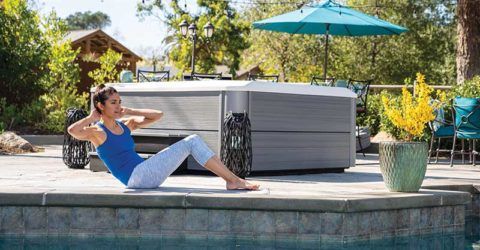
(467, 117)
(444, 131)
(341, 83)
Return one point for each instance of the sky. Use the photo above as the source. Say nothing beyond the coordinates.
(125, 26)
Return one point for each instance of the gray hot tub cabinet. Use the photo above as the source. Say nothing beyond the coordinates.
(294, 126)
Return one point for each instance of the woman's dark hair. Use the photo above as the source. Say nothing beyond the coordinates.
(101, 94)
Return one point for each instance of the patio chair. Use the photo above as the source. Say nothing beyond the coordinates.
(466, 113)
(320, 81)
(441, 129)
(260, 77)
(361, 88)
(153, 76)
(202, 76)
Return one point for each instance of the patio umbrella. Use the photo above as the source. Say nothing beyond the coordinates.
(329, 18)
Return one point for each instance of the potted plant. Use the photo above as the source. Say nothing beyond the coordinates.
(403, 163)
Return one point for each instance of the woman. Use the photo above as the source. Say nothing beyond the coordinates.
(115, 145)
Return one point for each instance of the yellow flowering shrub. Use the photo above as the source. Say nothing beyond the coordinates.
(411, 113)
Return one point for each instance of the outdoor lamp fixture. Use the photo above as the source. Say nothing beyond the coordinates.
(191, 32)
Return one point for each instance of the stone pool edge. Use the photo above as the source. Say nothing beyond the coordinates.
(316, 219)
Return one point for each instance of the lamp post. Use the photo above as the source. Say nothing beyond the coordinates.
(191, 31)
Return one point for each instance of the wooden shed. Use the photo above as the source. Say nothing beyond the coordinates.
(96, 42)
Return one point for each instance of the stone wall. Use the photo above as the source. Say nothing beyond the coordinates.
(315, 227)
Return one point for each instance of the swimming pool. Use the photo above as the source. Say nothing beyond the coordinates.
(468, 240)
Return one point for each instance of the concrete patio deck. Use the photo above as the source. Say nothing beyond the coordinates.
(291, 202)
(46, 171)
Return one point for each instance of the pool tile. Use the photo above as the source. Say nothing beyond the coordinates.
(351, 225)
(12, 220)
(459, 215)
(196, 219)
(59, 219)
(128, 218)
(241, 221)
(286, 222)
(309, 223)
(105, 218)
(83, 217)
(150, 221)
(332, 223)
(173, 219)
(35, 219)
(448, 217)
(219, 220)
(263, 222)
(403, 219)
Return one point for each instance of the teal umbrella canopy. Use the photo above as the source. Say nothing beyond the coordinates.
(329, 18)
(339, 20)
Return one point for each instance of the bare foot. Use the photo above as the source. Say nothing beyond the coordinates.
(242, 184)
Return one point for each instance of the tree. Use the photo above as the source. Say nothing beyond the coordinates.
(38, 73)
(62, 77)
(428, 46)
(88, 20)
(468, 32)
(23, 53)
(226, 45)
(107, 72)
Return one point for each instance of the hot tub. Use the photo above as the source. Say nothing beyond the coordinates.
(294, 126)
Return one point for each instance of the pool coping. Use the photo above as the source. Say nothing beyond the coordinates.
(430, 196)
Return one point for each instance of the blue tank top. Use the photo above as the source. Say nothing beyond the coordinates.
(118, 153)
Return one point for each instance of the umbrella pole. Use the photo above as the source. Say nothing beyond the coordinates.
(326, 53)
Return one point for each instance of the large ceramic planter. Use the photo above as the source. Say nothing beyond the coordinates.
(403, 165)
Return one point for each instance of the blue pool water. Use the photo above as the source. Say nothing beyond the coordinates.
(468, 240)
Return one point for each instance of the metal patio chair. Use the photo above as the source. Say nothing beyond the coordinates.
(320, 81)
(361, 88)
(466, 116)
(440, 129)
(153, 76)
(265, 78)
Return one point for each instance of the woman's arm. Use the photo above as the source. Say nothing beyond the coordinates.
(80, 130)
(147, 116)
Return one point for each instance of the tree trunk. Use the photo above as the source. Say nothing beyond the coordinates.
(468, 47)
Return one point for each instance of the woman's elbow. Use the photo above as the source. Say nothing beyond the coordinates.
(159, 115)
(72, 132)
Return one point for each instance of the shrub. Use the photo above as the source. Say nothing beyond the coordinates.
(410, 113)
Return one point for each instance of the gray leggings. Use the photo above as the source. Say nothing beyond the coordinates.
(152, 172)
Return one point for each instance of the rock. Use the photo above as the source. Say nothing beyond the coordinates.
(383, 136)
(10, 142)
